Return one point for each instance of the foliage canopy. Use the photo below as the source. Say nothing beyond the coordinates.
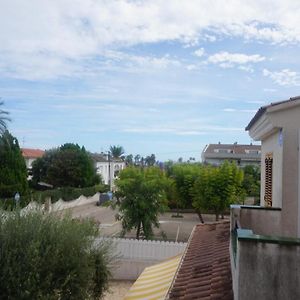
(116, 151)
(141, 198)
(13, 172)
(68, 165)
(3, 119)
(46, 257)
(217, 187)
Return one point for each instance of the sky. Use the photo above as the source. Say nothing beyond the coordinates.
(158, 76)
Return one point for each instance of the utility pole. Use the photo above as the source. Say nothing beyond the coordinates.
(109, 171)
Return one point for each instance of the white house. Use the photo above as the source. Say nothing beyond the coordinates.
(30, 155)
(107, 167)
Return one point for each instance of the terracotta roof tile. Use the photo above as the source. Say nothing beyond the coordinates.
(32, 153)
(205, 270)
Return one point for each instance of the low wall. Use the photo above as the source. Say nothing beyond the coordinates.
(266, 268)
(60, 204)
(136, 255)
(82, 200)
(261, 220)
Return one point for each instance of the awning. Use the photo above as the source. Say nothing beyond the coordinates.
(155, 281)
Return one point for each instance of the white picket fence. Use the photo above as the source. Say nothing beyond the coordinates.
(136, 255)
(146, 250)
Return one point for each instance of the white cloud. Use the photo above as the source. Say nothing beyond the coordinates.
(285, 77)
(200, 52)
(227, 60)
(239, 110)
(52, 38)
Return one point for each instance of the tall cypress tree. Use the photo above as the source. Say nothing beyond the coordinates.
(13, 172)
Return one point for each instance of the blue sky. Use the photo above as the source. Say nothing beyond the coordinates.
(162, 77)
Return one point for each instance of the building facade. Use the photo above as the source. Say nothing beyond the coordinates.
(108, 167)
(216, 154)
(265, 239)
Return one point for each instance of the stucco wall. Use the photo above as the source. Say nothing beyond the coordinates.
(261, 221)
(272, 145)
(289, 120)
(267, 271)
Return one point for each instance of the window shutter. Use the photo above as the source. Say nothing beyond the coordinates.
(268, 179)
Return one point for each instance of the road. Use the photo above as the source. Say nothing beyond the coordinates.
(173, 228)
(104, 216)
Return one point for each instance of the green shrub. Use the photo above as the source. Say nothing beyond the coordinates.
(47, 257)
(67, 193)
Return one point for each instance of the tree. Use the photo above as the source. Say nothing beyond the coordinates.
(137, 160)
(13, 171)
(217, 187)
(3, 119)
(116, 151)
(129, 160)
(251, 182)
(48, 257)
(142, 198)
(184, 176)
(68, 165)
(150, 160)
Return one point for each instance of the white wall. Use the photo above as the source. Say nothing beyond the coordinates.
(136, 255)
(103, 169)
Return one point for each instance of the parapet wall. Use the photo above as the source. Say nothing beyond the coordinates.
(266, 267)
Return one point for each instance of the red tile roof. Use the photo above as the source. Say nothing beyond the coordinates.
(205, 270)
(32, 153)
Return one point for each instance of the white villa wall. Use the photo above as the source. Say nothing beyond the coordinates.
(60, 204)
(272, 145)
(136, 255)
(103, 169)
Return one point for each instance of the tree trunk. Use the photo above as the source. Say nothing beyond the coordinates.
(217, 216)
(222, 216)
(138, 231)
(200, 215)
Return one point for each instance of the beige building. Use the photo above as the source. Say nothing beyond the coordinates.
(265, 243)
(278, 126)
(216, 154)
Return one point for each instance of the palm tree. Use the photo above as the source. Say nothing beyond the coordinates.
(116, 151)
(3, 119)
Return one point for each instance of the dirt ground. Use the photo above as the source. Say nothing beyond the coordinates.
(171, 228)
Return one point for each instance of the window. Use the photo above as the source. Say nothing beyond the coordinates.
(252, 151)
(268, 179)
(223, 151)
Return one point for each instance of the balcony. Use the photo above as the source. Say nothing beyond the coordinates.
(264, 265)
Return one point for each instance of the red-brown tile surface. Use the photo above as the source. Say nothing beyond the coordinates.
(205, 269)
(32, 153)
